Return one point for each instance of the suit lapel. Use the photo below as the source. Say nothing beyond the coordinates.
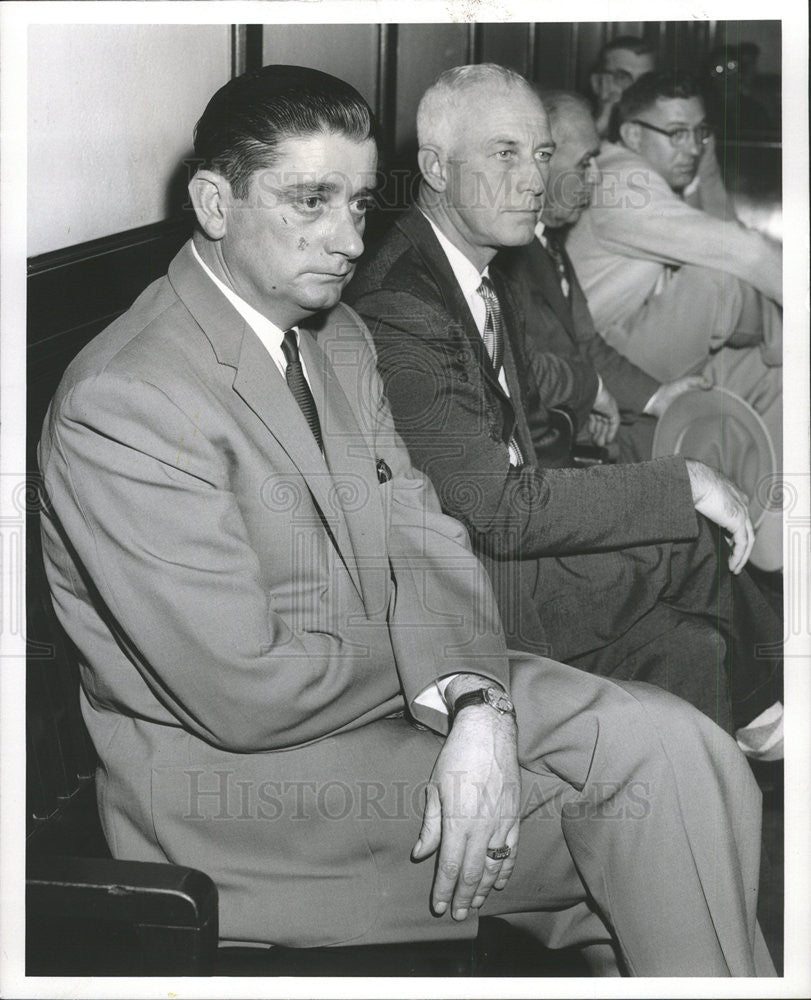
(354, 488)
(261, 387)
(419, 232)
(549, 286)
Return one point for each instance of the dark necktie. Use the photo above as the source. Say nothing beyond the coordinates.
(493, 338)
(299, 386)
(556, 253)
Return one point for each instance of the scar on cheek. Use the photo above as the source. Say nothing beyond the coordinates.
(302, 243)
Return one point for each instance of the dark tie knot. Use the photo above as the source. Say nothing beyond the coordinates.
(290, 347)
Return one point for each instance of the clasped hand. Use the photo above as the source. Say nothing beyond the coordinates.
(472, 804)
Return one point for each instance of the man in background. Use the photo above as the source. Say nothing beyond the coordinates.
(674, 288)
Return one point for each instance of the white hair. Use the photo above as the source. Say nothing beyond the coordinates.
(567, 113)
(436, 113)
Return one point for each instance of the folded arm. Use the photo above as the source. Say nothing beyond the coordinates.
(658, 225)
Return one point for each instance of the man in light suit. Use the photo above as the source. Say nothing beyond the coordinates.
(609, 568)
(265, 595)
(556, 314)
(675, 288)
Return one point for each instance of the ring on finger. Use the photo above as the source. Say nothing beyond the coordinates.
(499, 853)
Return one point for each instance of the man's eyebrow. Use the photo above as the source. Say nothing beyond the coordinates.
(310, 187)
(298, 188)
(680, 123)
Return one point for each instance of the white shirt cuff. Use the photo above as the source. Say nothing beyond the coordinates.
(433, 695)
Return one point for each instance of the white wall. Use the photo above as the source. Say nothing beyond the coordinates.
(111, 114)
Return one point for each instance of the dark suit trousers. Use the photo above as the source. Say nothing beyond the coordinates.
(670, 614)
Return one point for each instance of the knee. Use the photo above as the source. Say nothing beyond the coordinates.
(650, 727)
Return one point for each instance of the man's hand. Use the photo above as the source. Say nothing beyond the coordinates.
(665, 394)
(472, 804)
(604, 419)
(721, 501)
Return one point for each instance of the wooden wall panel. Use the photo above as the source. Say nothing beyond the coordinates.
(555, 52)
(348, 51)
(423, 52)
(507, 44)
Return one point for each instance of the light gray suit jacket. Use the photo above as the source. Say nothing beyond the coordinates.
(250, 613)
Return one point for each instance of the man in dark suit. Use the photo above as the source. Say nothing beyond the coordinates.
(557, 319)
(264, 594)
(609, 568)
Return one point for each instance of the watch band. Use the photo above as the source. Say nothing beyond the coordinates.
(490, 696)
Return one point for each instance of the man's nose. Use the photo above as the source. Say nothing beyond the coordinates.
(694, 147)
(534, 177)
(345, 237)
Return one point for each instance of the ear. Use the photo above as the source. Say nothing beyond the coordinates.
(631, 135)
(210, 193)
(432, 167)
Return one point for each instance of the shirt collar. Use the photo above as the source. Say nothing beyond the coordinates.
(270, 334)
(466, 274)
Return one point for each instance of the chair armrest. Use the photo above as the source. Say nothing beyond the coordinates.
(163, 917)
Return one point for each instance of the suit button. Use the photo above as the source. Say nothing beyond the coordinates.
(464, 377)
(463, 357)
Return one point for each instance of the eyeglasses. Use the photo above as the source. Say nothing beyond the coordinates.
(680, 137)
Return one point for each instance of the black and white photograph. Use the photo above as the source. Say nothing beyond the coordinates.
(406, 528)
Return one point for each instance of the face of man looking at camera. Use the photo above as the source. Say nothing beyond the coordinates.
(288, 244)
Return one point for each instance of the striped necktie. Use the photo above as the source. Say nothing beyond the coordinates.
(299, 386)
(493, 337)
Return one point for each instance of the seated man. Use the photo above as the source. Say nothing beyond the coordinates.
(673, 288)
(263, 591)
(608, 568)
(556, 314)
(621, 62)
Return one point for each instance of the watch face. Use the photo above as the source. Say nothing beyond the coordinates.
(499, 701)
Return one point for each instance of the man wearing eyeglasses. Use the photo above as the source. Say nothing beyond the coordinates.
(676, 289)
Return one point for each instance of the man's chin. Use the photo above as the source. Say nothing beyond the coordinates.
(318, 299)
(519, 235)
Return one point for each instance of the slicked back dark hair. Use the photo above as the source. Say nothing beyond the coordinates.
(246, 120)
(648, 89)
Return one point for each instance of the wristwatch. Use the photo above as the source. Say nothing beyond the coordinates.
(491, 696)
